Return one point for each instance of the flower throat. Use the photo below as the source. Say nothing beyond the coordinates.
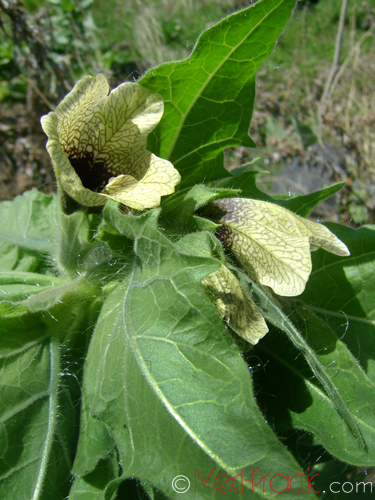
(93, 174)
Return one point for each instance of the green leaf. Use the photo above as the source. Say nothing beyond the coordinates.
(334, 367)
(346, 375)
(40, 392)
(203, 224)
(94, 486)
(78, 251)
(165, 378)
(178, 210)
(36, 237)
(21, 287)
(36, 441)
(28, 232)
(291, 398)
(209, 97)
(246, 182)
(208, 245)
(301, 205)
(16, 258)
(30, 221)
(342, 292)
(39, 292)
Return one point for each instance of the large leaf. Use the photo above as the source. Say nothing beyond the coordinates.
(34, 291)
(336, 321)
(166, 380)
(36, 237)
(342, 291)
(300, 204)
(39, 371)
(347, 432)
(209, 97)
(40, 364)
(36, 420)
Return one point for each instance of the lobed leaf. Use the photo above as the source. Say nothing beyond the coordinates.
(209, 97)
(300, 204)
(336, 320)
(37, 441)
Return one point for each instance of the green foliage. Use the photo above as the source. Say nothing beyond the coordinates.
(56, 44)
(319, 33)
(115, 363)
(73, 27)
(205, 117)
(12, 84)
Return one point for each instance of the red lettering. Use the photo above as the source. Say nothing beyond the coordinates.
(204, 482)
(225, 482)
(310, 479)
(252, 478)
(287, 483)
(304, 475)
(290, 482)
(241, 474)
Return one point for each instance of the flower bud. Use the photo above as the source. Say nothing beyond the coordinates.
(235, 305)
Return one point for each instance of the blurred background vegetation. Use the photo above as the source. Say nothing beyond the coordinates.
(304, 142)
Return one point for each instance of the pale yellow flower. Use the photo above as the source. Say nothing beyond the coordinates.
(272, 244)
(235, 305)
(97, 141)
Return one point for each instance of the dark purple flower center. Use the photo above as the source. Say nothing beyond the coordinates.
(94, 175)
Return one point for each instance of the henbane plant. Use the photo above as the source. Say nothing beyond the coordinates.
(135, 301)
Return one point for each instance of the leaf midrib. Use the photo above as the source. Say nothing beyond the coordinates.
(27, 242)
(155, 387)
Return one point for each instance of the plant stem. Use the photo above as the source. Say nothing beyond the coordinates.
(276, 316)
(336, 57)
